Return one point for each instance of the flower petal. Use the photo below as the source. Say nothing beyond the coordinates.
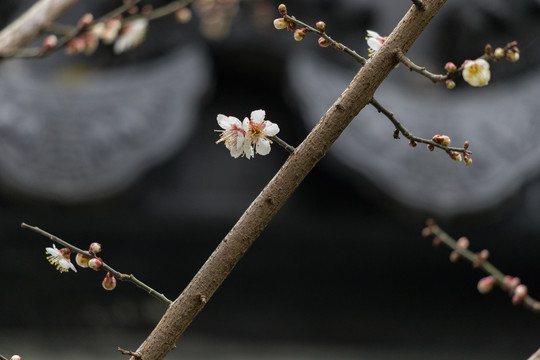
(263, 146)
(271, 129)
(373, 34)
(228, 122)
(257, 116)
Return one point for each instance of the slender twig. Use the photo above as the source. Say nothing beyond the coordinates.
(337, 45)
(168, 9)
(419, 4)
(490, 269)
(116, 274)
(131, 353)
(283, 144)
(403, 130)
(2, 357)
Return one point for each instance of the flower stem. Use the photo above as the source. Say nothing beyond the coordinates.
(337, 45)
(2, 357)
(283, 144)
(433, 229)
(120, 276)
(403, 130)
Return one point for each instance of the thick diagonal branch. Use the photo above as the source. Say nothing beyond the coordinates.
(216, 269)
(25, 28)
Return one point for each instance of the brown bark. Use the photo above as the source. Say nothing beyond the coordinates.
(25, 28)
(359, 92)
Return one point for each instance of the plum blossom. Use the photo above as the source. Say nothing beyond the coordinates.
(248, 137)
(258, 132)
(234, 135)
(60, 258)
(131, 35)
(374, 41)
(476, 72)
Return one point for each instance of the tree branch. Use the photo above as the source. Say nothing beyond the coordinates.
(25, 28)
(235, 244)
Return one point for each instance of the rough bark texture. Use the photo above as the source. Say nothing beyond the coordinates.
(216, 269)
(23, 30)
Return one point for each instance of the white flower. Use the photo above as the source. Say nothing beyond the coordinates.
(60, 258)
(476, 72)
(234, 136)
(374, 41)
(259, 130)
(131, 35)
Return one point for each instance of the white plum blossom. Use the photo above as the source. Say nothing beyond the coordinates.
(248, 137)
(60, 258)
(131, 35)
(259, 130)
(476, 72)
(234, 135)
(374, 41)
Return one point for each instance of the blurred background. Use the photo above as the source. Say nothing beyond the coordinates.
(120, 149)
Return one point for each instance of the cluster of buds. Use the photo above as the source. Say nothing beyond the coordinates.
(284, 22)
(125, 35)
(510, 52)
(510, 284)
(61, 259)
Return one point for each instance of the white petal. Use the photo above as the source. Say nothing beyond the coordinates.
(258, 116)
(237, 152)
(228, 122)
(52, 251)
(248, 149)
(373, 33)
(483, 63)
(263, 146)
(374, 44)
(271, 129)
(246, 124)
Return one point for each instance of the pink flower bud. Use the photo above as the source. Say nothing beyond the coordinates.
(431, 147)
(109, 282)
(413, 143)
(454, 256)
(321, 26)
(450, 84)
(82, 260)
(463, 243)
(50, 42)
(280, 23)
(455, 156)
(300, 34)
(282, 9)
(95, 248)
(519, 294)
(183, 15)
(467, 159)
(443, 140)
(95, 264)
(323, 42)
(86, 20)
(450, 67)
(16, 357)
(486, 284)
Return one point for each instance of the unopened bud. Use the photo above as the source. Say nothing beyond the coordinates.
(109, 282)
(431, 147)
(455, 156)
(466, 145)
(488, 50)
(300, 34)
(321, 26)
(50, 42)
(462, 243)
(481, 258)
(280, 23)
(499, 53)
(450, 84)
(95, 248)
(75, 46)
(450, 67)
(454, 256)
(16, 357)
(413, 143)
(82, 260)
(95, 264)
(323, 42)
(85, 21)
(183, 15)
(519, 294)
(282, 9)
(467, 160)
(443, 140)
(512, 56)
(436, 241)
(486, 284)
